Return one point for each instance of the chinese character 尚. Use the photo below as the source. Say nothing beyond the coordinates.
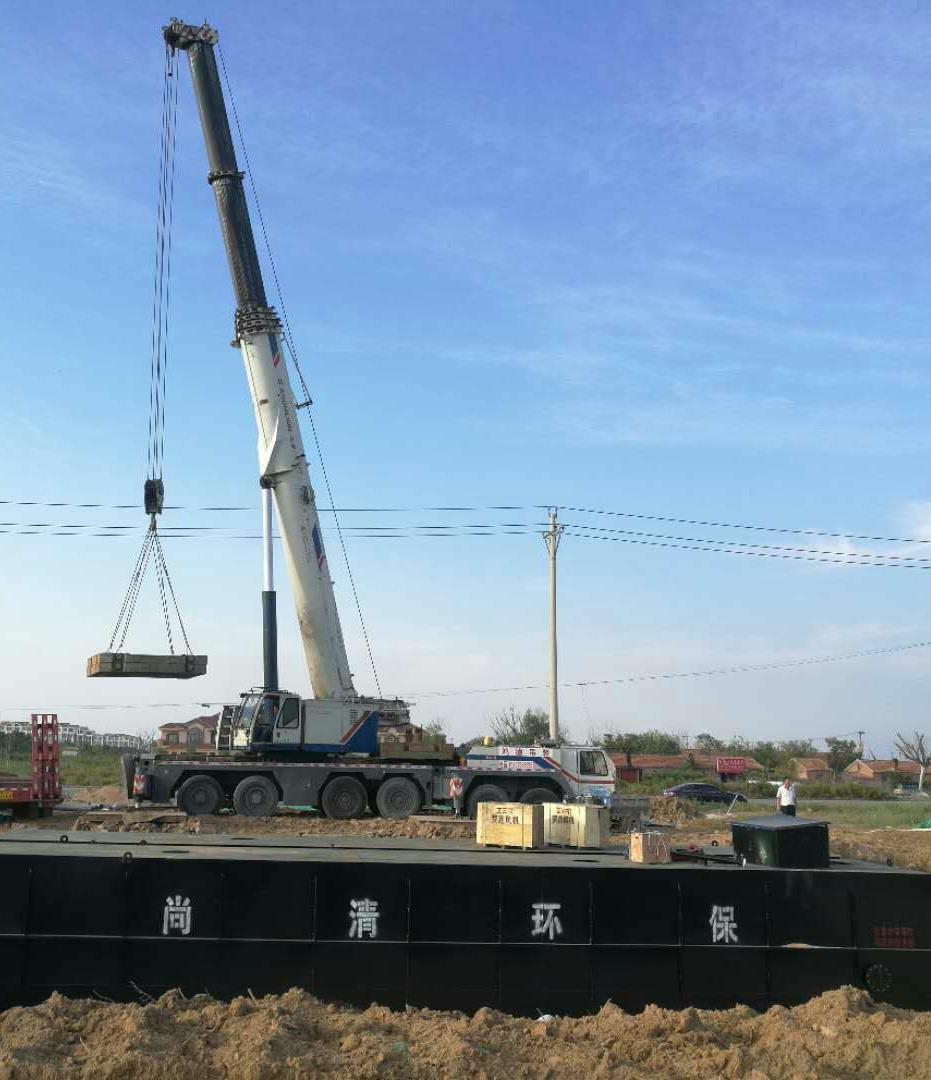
(546, 922)
(363, 918)
(177, 918)
(723, 924)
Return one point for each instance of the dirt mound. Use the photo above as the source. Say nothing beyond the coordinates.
(905, 847)
(304, 825)
(108, 795)
(668, 810)
(841, 1033)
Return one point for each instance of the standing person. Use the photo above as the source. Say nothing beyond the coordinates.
(786, 798)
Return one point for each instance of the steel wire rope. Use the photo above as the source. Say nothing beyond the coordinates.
(308, 401)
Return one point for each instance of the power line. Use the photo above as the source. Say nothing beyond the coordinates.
(837, 558)
(526, 507)
(733, 669)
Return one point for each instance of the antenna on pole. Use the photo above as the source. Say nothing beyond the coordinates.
(551, 538)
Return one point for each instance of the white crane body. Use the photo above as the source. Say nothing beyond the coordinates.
(337, 719)
(283, 467)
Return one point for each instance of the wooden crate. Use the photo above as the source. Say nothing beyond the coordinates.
(575, 826)
(145, 666)
(509, 825)
(649, 847)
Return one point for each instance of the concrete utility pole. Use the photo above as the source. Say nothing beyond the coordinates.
(860, 735)
(551, 539)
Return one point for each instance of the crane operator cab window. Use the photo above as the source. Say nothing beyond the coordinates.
(288, 722)
(264, 722)
(592, 763)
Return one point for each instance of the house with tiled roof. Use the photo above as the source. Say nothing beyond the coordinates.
(813, 769)
(882, 771)
(201, 731)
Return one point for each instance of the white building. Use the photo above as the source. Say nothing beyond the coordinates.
(77, 735)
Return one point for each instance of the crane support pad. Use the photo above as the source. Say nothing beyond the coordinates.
(445, 925)
(145, 666)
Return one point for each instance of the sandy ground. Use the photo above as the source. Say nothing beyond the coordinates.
(840, 1034)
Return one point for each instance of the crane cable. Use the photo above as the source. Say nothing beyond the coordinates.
(307, 401)
(154, 486)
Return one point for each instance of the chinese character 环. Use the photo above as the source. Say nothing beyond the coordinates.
(363, 916)
(177, 916)
(723, 924)
(546, 922)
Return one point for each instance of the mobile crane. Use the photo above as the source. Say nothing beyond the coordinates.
(275, 746)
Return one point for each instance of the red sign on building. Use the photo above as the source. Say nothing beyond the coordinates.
(731, 765)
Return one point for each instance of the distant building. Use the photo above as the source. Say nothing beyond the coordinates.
(883, 771)
(201, 731)
(813, 769)
(713, 766)
(76, 735)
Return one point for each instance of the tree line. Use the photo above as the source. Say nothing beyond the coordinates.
(531, 727)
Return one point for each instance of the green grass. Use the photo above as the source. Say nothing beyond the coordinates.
(90, 768)
(870, 815)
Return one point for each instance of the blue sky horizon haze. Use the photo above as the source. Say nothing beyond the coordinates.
(652, 258)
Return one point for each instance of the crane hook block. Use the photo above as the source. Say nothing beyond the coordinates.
(154, 497)
(145, 666)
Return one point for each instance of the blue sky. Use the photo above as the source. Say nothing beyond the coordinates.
(658, 258)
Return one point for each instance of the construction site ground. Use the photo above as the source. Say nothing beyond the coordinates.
(840, 1034)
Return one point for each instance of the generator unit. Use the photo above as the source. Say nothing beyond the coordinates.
(778, 840)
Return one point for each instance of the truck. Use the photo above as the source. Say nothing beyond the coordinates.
(275, 746)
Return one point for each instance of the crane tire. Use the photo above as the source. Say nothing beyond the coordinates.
(485, 793)
(539, 795)
(398, 797)
(199, 795)
(343, 798)
(255, 796)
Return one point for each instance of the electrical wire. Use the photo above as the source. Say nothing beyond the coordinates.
(733, 669)
(526, 507)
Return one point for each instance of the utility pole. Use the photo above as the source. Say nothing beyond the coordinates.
(860, 735)
(551, 539)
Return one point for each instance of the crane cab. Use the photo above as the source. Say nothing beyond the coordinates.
(281, 721)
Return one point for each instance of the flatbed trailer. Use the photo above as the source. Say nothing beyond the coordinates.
(36, 795)
(447, 925)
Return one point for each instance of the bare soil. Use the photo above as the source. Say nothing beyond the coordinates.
(840, 1034)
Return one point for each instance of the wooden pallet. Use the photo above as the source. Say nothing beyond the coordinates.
(145, 666)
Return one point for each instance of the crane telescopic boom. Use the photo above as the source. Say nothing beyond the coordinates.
(282, 461)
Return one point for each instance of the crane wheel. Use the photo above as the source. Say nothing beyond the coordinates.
(199, 795)
(485, 793)
(256, 796)
(539, 795)
(344, 798)
(398, 797)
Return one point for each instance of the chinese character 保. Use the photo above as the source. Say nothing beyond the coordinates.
(177, 917)
(723, 924)
(363, 918)
(546, 923)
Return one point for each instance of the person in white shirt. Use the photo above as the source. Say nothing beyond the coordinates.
(785, 797)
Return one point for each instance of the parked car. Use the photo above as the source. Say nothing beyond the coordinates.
(703, 793)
